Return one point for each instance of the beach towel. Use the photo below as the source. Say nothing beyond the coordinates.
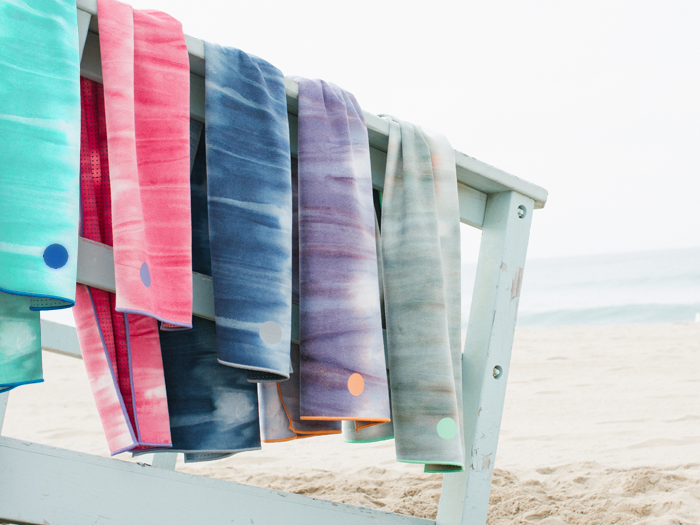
(421, 265)
(213, 408)
(145, 67)
(342, 368)
(121, 351)
(250, 211)
(39, 185)
(280, 416)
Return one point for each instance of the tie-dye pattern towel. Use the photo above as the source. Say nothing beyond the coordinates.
(421, 263)
(250, 211)
(213, 408)
(145, 67)
(121, 351)
(39, 159)
(343, 371)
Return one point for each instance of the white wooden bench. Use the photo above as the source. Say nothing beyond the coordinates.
(46, 485)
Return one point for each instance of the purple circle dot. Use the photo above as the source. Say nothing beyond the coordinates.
(145, 275)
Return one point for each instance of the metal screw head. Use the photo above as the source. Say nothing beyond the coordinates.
(522, 211)
(497, 371)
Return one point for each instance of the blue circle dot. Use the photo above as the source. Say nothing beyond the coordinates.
(145, 275)
(55, 256)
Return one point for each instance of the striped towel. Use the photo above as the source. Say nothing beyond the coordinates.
(146, 74)
(342, 370)
(39, 196)
(138, 201)
(250, 211)
(421, 263)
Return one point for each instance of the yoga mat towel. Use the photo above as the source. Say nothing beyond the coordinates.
(120, 351)
(421, 264)
(39, 159)
(213, 408)
(250, 211)
(343, 371)
(145, 67)
(138, 202)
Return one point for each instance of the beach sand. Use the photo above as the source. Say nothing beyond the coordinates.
(601, 426)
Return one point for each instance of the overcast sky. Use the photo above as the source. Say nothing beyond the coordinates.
(598, 101)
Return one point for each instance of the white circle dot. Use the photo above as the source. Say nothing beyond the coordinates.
(270, 332)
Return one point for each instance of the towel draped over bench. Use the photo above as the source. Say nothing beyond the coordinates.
(135, 171)
(39, 159)
(341, 371)
(250, 211)
(422, 274)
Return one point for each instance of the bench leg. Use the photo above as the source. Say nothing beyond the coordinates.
(3, 405)
(486, 358)
(164, 460)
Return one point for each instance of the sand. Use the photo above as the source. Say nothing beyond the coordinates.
(601, 426)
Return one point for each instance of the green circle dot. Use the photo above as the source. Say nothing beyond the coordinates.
(447, 428)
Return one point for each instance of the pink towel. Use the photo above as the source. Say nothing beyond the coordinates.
(146, 75)
(121, 351)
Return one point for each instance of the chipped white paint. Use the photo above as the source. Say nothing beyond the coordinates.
(517, 284)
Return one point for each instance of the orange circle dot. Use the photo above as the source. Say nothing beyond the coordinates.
(356, 384)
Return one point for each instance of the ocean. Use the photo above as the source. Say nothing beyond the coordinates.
(610, 289)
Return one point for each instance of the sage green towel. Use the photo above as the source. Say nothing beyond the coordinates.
(421, 264)
(39, 176)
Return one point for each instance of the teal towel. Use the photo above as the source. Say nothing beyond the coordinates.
(39, 176)
(421, 265)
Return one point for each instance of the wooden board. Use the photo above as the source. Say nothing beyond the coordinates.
(46, 485)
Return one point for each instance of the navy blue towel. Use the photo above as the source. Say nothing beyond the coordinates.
(250, 211)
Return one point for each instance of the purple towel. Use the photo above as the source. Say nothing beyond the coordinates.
(342, 369)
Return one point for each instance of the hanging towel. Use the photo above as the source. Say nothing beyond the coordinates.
(39, 186)
(250, 211)
(421, 263)
(120, 351)
(213, 408)
(343, 370)
(145, 67)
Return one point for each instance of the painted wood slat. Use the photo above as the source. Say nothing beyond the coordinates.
(59, 339)
(41, 484)
(83, 26)
(487, 350)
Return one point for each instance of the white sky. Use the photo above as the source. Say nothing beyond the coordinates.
(598, 101)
